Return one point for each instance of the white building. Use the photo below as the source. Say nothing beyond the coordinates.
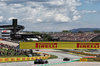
(5, 34)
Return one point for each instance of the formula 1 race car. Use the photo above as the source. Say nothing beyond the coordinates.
(40, 61)
(37, 50)
(66, 59)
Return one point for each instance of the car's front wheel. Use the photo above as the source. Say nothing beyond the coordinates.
(46, 62)
(35, 62)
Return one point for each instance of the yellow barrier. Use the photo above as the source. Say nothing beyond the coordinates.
(0, 39)
(83, 60)
(39, 52)
(59, 45)
(23, 58)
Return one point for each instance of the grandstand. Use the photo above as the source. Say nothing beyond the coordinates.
(96, 39)
(13, 31)
(76, 36)
(14, 27)
(11, 50)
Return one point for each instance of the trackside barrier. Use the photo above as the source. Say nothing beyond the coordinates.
(84, 53)
(97, 58)
(59, 63)
(0, 39)
(83, 59)
(23, 58)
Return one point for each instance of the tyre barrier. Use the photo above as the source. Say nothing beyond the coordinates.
(23, 58)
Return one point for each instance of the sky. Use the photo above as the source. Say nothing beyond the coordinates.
(51, 15)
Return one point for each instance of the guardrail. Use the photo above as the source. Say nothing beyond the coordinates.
(23, 58)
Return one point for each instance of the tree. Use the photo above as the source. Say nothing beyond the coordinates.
(80, 31)
(65, 31)
(46, 37)
(96, 31)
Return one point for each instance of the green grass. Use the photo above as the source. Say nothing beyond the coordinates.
(13, 56)
(52, 57)
(91, 59)
(10, 56)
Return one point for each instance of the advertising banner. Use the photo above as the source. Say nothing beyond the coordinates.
(83, 59)
(22, 58)
(59, 45)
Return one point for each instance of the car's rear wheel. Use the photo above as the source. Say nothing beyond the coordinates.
(46, 62)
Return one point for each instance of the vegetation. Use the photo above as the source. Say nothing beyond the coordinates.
(80, 32)
(13, 56)
(65, 31)
(96, 31)
(46, 37)
(52, 57)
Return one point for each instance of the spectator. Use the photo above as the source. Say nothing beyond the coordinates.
(75, 36)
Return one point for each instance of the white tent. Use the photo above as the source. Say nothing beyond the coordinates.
(34, 39)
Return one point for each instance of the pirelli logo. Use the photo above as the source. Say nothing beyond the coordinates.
(46, 45)
(88, 45)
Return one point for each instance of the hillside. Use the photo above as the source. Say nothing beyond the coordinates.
(84, 29)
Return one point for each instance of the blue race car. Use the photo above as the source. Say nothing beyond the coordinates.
(40, 61)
